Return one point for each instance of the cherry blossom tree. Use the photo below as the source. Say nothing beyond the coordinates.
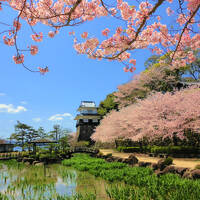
(157, 77)
(141, 25)
(157, 116)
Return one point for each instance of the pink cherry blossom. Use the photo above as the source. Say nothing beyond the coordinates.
(51, 34)
(126, 69)
(84, 35)
(132, 61)
(137, 26)
(37, 37)
(105, 32)
(169, 11)
(71, 33)
(158, 116)
(8, 41)
(170, 1)
(18, 59)
(34, 50)
(17, 25)
(43, 70)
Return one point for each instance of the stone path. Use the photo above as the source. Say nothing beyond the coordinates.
(179, 162)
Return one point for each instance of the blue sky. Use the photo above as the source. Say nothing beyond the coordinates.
(39, 100)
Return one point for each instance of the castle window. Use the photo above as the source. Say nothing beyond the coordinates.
(85, 120)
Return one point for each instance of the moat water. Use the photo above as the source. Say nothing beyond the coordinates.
(45, 183)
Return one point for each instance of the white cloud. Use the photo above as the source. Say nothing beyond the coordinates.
(37, 119)
(2, 94)
(23, 102)
(59, 117)
(9, 108)
(66, 115)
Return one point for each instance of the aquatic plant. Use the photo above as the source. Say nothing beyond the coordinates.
(139, 183)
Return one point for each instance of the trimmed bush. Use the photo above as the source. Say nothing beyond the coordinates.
(168, 161)
(197, 166)
(170, 150)
(129, 149)
(108, 155)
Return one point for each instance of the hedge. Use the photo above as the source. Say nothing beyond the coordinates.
(161, 149)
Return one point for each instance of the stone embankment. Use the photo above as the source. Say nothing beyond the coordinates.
(160, 168)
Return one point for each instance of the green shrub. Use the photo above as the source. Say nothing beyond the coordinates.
(81, 144)
(24, 154)
(43, 151)
(168, 161)
(174, 150)
(108, 155)
(170, 150)
(47, 156)
(129, 149)
(197, 166)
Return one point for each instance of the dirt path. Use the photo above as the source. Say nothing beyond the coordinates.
(179, 162)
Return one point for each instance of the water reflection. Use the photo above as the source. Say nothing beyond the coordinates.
(33, 182)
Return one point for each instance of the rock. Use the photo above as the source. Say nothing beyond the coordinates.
(159, 172)
(107, 155)
(109, 159)
(30, 160)
(67, 156)
(169, 169)
(187, 174)
(144, 164)
(117, 159)
(175, 170)
(99, 155)
(24, 159)
(132, 159)
(154, 166)
(162, 163)
(181, 170)
(27, 163)
(129, 161)
(35, 162)
(195, 173)
(120, 160)
(104, 157)
(19, 159)
(39, 164)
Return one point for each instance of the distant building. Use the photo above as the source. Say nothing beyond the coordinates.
(5, 146)
(87, 120)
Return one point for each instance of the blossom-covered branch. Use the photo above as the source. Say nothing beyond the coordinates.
(140, 26)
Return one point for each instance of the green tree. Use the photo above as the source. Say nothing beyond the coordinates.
(41, 133)
(151, 61)
(20, 133)
(107, 105)
(31, 135)
(24, 134)
(193, 69)
(170, 78)
(61, 135)
(64, 142)
(56, 132)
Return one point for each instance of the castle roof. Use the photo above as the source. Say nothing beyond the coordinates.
(88, 104)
